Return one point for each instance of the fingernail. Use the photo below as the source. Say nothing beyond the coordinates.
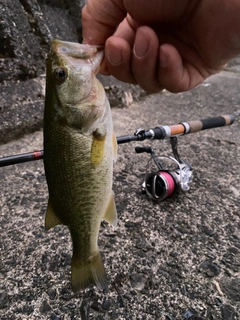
(141, 45)
(114, 55)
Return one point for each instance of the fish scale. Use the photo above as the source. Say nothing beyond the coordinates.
(79, 150)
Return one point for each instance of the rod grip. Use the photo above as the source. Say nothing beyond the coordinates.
(209, 123)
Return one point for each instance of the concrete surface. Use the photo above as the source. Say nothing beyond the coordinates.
(179, 259)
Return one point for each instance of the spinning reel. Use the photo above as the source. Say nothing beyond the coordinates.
(165, 175)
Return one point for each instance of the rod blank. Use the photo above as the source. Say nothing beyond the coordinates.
(158, 133)
(20, 158)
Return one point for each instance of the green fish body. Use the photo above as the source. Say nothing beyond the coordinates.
(79, 150)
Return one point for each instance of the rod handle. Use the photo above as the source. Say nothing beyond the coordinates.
(209, 123)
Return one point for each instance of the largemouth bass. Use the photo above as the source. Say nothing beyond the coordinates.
(79, 149)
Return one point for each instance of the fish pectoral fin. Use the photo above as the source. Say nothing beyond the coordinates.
(97, 150)
(115, 147)
(90, 271)
(51, 219)
(111, 212)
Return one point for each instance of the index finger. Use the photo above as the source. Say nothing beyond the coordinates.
(100, 20)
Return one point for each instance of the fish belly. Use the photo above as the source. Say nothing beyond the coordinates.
(78, 197)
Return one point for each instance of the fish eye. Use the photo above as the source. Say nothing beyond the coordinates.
(61, 74)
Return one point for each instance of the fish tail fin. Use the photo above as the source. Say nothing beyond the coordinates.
(88, 272)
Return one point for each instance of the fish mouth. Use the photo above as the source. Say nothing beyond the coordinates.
(78, 54)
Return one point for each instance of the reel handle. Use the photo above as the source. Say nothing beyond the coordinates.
(143, 149)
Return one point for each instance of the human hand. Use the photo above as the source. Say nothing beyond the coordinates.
(163, 43)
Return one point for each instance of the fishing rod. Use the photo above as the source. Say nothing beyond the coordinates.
(157, 133)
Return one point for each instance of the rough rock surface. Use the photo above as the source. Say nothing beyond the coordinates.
(26, 29)
(179, 259)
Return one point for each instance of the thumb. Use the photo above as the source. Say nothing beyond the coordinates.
(100, 20)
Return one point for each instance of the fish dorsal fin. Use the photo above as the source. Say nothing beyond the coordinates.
(111, 212)
(51, 220)
(115, 147)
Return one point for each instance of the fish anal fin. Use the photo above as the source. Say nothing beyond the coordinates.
(115, 147)
(90, 271)
(111, 212)
(51, 219)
